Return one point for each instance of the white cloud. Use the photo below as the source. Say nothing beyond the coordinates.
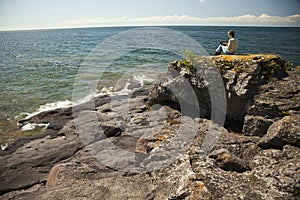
(262, 20)
(201, 1)
(247, 20)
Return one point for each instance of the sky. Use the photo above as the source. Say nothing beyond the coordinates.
(43, 14)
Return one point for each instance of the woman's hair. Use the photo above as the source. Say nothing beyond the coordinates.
(231, 32)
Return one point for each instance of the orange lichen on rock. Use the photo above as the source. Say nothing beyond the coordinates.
(224, 157)
(199, 191)
(161, 138)
(53, 175)
(248, 57)
(200, 186)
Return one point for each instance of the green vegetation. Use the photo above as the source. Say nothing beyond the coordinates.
(190, 56)
(191, 60)
(285, 113)
(288, 66)
(187, 65)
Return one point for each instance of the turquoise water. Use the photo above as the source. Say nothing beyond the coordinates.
(39, 67)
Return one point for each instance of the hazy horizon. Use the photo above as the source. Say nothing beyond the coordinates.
(60, 14)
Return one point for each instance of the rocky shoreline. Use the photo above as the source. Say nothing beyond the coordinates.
(156, 144)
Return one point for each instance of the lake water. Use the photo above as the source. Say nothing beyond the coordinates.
(38, 67)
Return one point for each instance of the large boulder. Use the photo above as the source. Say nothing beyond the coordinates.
(241, 78)
(282, 132)
(275, 100)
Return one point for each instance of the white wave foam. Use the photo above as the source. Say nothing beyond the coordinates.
(4, 146)
(110, 91)
(142, 78)
(49, 106)
(125, 90)
(32, 126)
(55, 105)
(139, 77)
(105, 91)
(84, 100)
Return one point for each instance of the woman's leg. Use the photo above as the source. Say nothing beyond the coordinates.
(224, 48)
(221, 48)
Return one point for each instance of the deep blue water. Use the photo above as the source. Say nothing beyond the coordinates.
(39, 66)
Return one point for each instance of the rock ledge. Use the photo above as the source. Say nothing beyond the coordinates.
(159, 148)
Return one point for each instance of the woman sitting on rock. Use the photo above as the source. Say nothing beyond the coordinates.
(229, 47)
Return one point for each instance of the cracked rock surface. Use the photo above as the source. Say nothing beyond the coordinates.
(127, 147)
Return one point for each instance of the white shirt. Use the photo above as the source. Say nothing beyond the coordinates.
(232, 45)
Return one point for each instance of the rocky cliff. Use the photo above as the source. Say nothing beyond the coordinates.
(175, 141)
